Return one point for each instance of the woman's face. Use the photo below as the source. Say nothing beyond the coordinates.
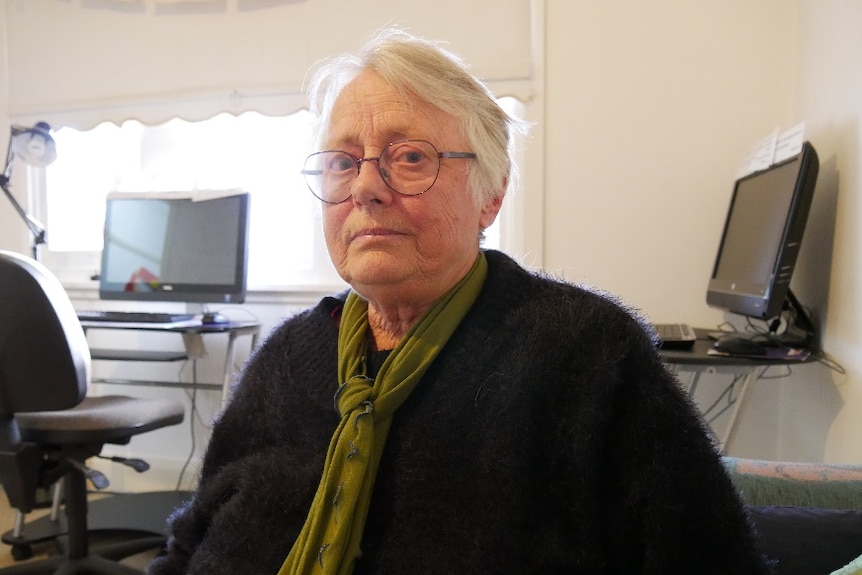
(389, 247)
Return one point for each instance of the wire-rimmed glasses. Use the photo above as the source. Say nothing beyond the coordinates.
(409, 167)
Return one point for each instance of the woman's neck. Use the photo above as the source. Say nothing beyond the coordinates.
(387, 328)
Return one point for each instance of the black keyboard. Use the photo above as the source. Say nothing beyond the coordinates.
(133, 316)
(675, 335)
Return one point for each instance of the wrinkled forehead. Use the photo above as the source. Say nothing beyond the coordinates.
(371, 109)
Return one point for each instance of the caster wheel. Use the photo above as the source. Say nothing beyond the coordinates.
(22, 551)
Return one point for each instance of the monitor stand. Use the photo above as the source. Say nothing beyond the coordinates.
(206, 315)
(800, 330)
(201, 309)
(195, 308)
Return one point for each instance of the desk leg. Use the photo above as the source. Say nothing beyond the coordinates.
(691, 388)
(230, 356)
(750, 376)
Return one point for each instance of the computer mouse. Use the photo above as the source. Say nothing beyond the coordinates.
(211, 317)
(738, 345)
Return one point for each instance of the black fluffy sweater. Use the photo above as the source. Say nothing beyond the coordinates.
(547, 437)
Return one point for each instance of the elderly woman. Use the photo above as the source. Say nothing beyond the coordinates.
(451, 412)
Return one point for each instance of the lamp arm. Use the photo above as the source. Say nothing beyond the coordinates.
(36, 228)
(7, 171)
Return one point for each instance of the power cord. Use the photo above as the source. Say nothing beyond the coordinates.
(193, 396)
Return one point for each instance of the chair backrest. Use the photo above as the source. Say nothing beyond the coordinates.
(44, 357)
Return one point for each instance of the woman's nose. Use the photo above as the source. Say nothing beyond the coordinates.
(368, 187)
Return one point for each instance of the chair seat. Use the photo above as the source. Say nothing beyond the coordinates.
(104, 419)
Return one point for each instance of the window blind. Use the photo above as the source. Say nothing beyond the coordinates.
(79, 63)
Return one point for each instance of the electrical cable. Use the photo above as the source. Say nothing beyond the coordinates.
(727, 393)
(193, 397)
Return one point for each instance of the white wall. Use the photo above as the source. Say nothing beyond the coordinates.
(650, 107)
(648, 110)
(10, 234)
(829, 95)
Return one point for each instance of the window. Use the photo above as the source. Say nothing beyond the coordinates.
(253, 152)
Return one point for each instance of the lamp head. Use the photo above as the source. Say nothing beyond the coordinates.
(35, 146)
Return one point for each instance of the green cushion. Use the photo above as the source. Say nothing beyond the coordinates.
(827, 486)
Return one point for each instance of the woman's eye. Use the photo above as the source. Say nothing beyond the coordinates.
(341, 163)
(408, 155)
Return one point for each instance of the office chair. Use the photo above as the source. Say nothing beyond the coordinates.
(48, 427)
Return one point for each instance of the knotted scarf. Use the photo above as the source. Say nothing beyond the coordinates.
(329, 542)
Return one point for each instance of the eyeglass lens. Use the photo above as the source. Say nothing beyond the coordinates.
(408, 167)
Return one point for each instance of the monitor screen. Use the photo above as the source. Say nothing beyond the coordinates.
(175, 247)
(762, 236)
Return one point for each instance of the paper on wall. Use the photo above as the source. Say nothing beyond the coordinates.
(774, 148)
(760, 156)
(789, 142)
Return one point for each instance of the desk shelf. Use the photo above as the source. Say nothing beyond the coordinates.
(192, 333)
(743, 369)
(137, 355)
(146, 383)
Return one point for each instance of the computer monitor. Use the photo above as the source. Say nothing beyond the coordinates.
(175, 247)
(761, 240)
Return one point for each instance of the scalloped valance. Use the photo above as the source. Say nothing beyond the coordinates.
(79, 63)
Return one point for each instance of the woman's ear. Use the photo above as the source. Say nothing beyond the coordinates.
(489, 212)
(491, 207)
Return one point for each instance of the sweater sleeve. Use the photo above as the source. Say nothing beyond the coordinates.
(671, 506)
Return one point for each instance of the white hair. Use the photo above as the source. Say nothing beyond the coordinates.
(422, 69)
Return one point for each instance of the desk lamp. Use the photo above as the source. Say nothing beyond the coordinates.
(35, 147)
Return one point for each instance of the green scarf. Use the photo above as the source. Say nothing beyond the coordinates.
(329, 540)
